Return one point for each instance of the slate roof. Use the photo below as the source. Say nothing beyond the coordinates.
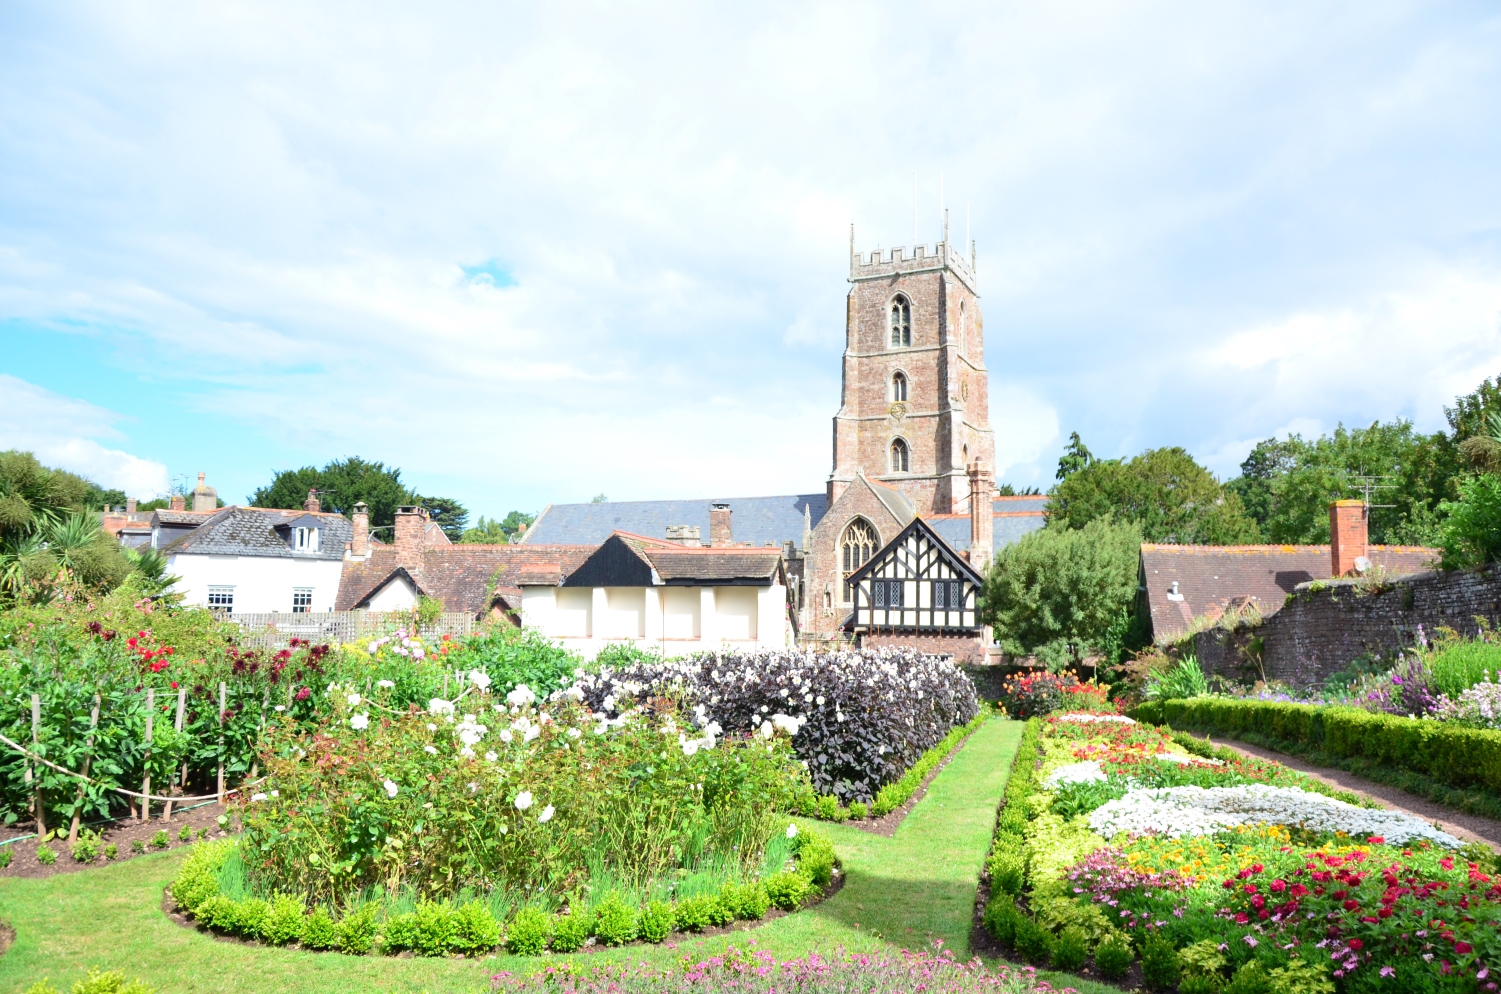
(164, 516)
(1211, 577)
(250, 531)
(754, 520)
(1005, 527)
(461, 575)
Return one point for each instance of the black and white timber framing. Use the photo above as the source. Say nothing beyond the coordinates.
(917, 583)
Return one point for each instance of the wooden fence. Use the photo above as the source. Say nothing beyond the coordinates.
(273, 630)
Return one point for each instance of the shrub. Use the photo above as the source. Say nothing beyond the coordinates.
(1032, 695)
(248, 917)
(788, 889)
(1007, 871)
(1251, 978)
(748, 901)
(1159, 963)
(161, 839)
(137, 845)
(1301, 976)
(356, 931)
(1113, 956)
(1179, 682)
(828, 807)
(655, 922)
(721, 909)
(1033, 942)
(864, 721)
(858, 810)
(571, 931)
(475, 929)
(197, 879)
(1471, 533)
(528, 932)
(283, 922)
(216, 912)
(696, 913)
(319, 930)
(5, 856)
(1202, 983)
(1001, 918)
(1461, 665)
(815, 856)
(1071, 949)
(113, 982)
(186, 834)
(86, 849)
(45, 854)
(111, 851)
(614, 921)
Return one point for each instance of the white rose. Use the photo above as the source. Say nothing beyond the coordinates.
(523, 800)
(480, 679)
(546, 815)
(391, 788)
(354, 700)
(360, 722)
(387, 684)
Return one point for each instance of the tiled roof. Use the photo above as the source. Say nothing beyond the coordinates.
(755, 520)
(1027, 503)
(250, 531)
(1210, 577)
(166, 517)
(459, 575)
(714, 564)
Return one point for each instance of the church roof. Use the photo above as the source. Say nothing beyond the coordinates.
(754, 521)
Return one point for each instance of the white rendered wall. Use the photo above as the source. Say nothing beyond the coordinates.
(398, 595)
(673, 620)
(262, 583)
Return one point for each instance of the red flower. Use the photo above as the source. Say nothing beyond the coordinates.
(1447, 862)
(1376, 840)
(1278, 886)
(1352, 905)
(1356, 944)
(1242, 918)
(1463, 947)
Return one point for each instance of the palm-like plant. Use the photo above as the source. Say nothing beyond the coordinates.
(151, 567)
(1483, 451)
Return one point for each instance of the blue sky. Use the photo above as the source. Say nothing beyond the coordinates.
(531, 254)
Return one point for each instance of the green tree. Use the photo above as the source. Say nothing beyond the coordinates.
(447, 513)
(494, 531)
(598, 499)
(1007, 490)
(1076, 456)
(1171, 497)
(1287, 485)
(1471, 531)
(1471, 413)
(1059, 592)
(49, 541)
(98, 498)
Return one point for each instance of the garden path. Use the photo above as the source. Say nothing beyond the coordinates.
(1460, 824)
(909, 890)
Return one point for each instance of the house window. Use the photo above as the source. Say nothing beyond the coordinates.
(305, 539)
(302, 600)
(901, 322)
(899, 456)
(221, 599)
(948, 595)
(899, 386)
(887, 593)
(858, 545)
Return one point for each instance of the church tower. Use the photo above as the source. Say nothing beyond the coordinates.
(914, 413)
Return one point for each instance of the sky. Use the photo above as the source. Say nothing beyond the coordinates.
(533, 253)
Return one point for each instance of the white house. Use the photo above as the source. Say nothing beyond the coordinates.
(663, 596)
(249, 560)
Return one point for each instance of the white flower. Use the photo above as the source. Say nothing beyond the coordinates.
(521, 696)
(374, 648)
(430, 750)
(574, 694)
(257, 798)
(427, 804)
(546, 815)
(690, 746)
(391, 788)
(1117, 718)
(819, 700)
(608, 703)
(276, 793)
(431, 727)
(766, 730)
(354, 700)
(1086, 772)
(523, 800)
(281, 707)
(385, 684)
(505, 735)
(574, 733)
(504, 830)
(439, 706)
(532, 732)
(491, 756)
(791, 830)
(417, 652)
(480, 679)
(360, 722)
(787, 723)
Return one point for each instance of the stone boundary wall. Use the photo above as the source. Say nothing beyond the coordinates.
(1328, 624)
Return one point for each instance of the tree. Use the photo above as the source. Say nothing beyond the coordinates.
(99, 499)
(598, 499)
(49, 542)
(1170, 496)
(1058, 591)
(1075, 457)
(1471, 413)
(497, 532)
(1471, 532)
(1287, 485)
(447, 513)
(344, 483)
(1007, 490)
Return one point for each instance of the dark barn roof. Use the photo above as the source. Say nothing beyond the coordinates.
(252, 531)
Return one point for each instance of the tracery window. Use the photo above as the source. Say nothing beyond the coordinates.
(857, 545)
(901, 322)
(900, 461)
(898, 386)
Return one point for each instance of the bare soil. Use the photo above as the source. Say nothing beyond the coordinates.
(124, 833)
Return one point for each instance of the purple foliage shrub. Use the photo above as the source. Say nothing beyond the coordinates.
(864, 716)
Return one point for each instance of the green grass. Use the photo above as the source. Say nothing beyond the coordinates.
(1464, 664)
(906, 891)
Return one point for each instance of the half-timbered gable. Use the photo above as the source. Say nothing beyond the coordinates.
(916, 583)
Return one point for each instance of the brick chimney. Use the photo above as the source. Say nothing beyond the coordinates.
(205, 497)
(179, 502)
(1347, 535)
(130, 505)
(981, 515)
(411, 533)
(311, 504)
(720, 533)
(360, 547)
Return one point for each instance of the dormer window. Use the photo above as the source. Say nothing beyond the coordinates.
(304, 539)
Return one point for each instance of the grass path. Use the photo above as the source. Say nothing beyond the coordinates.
(906, 891)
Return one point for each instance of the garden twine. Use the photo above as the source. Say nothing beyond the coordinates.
(120, 790)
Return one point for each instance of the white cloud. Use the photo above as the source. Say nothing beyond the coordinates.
(64, 433)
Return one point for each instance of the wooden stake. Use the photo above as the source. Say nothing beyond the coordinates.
(36, 733)
(146, 761)
(255, 764)
(221, 741)
(88, 759)
(182, 701)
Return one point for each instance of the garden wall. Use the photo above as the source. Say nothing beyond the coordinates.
(1327, 624)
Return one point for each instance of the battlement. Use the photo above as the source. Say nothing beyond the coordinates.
(924, 258)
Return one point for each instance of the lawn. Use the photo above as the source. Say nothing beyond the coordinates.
(909, 890)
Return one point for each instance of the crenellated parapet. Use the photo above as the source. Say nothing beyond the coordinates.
(923, 259)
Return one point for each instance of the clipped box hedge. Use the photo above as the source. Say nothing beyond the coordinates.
(1450, 754)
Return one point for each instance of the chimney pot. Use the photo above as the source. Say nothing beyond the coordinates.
(720, 532)
(179, 502)
(411, 536)
(360, 546)
(1349, 531)
(130, 505)
(311, 504)
(981, 514)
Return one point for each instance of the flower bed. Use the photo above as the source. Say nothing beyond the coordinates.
(1031, 695)
(1215, 872)
(864, 718)
(557, 821)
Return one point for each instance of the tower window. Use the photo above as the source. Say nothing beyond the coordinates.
(857, 546)
(899, 386)
(901, 323)
(900, 462)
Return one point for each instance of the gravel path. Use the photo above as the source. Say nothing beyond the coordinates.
(1470, 828)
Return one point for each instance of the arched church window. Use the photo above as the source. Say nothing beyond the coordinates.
(963, 329)
(898, 386)
(857, 545)
(901, 322)
(899, 457)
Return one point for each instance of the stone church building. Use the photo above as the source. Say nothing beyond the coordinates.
(912, 438)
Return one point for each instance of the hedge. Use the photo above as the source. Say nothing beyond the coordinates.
(1449, 754)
